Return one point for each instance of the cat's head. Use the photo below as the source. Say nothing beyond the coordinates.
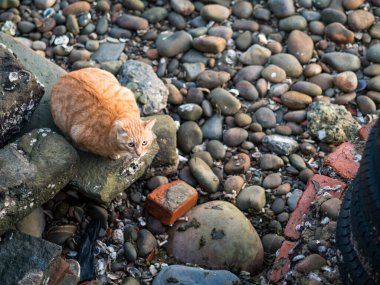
(134, 136)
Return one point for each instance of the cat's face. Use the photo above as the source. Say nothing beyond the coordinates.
(134, 137)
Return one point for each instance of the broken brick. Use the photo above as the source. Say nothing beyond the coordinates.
(364, 131)
(282, 263)
(315, 184)
(342, 160)
(171, 201)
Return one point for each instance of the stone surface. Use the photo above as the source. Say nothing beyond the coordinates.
(108, 52)
(36, 259)
(191, 276)
(166, 160)
(216, 234)
(103, 179)
(170, 44)
(143, 81)
(331, 123)
(252, 197)
(204, 175)
(287, 62)
(188, 136)
(21, 92)
(38, 66)
(33, 224)
(170, 201)
(342, 61)
(33, 170)
(282, 145)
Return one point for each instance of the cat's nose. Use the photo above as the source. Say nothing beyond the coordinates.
(138, 152)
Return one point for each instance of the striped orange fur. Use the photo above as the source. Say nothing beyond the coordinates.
(100, 115)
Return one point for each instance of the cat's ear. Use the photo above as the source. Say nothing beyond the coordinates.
(148, 124)
(121, 133)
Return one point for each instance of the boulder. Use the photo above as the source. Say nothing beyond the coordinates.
(29, 260)
(144, 83)
(217, 235)
(102, 179)
(20, 94)
(33, 169)
(47, 73)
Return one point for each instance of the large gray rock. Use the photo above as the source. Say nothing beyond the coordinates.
(46, 72)
(179, 274)
(217, 235)
(166, 160)
(103, 179)
(32, 171)
(20, 94)
(331, 123)
(141, 79)
(27, 260)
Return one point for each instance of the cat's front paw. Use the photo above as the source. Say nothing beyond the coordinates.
(115, 156)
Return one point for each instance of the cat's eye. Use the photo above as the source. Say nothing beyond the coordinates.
(144, 143)
(131, 144)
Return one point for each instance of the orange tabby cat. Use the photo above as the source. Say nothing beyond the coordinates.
(100, 115)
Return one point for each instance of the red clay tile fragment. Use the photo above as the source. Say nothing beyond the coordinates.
(282, 263)
(364, 131)
(342, 160)
(171, 201)
(316, 183)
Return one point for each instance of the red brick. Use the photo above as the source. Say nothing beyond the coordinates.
(364, 131)
(342, 160)
(277, 99)
(171, 201)
(307, 198)
(282, 263)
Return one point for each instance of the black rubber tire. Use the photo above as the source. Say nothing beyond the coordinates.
(351, 270)
(369, 181)
(364, 240)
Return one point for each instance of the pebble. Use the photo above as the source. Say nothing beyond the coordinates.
(188, 136)
(79, 55)
(102, 25)
(270, 162)
(221, 31)
(301, 46)
(360, 20)
(235, 136)
(171, 44)
(331, 208)
(213, 128)
(255, 55)
(209, 44)
(130, 281)
(312, 69)
(215, 12)
(25, 27)
(293, 199)
(248, 73)
(216, 149)
(185, 175)
(205, 156)
(238, 164)
(283, 130)
(252, 197)
(233, 184)
(273, 73)
(307, 88)
(224, 101)
(245, 25)
(310, 263)
(278, 206)
(283, 189)
(77, 8)
(244, 40)
(192, 70)
(331, 15)
(211, 79)
(265, 117)
(131, 22)
(295, 100)
(280, 144)
(342, 61)
(134, 4)
(204, 175)
(366, 105)
(323, 80)
(155, 14)
(282, 8)
(375, 96)
(295, 116)
(242, 9)
(346, 81)
(287, 62)
(146, 243)
(130, 252)
(373, 53)
(272, 242)
(352, 4)
(177, 20)
(339, 33)
(72, 24)
(183, 7)
(273, 180)
(297, 161)
(156, 181)
(292, 23)
(261, 13)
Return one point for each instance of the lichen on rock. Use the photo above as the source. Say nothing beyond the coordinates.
(331, 123)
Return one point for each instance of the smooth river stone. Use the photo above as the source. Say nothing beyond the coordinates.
(287, 62)
(342, 61)
(295, 100)
(171, 44)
